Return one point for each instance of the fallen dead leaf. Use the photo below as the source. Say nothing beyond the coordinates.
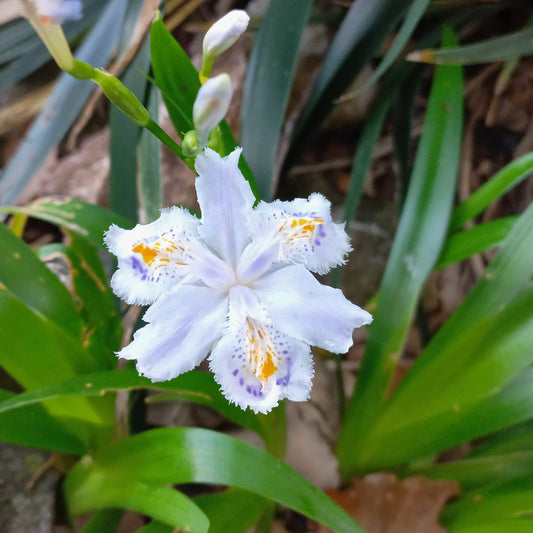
(382, 504)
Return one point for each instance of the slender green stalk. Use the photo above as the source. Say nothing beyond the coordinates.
(163, 136)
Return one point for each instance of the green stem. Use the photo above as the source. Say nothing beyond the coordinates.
(163, 136)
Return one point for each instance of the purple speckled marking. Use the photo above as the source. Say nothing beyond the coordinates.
(235, 372)
(241, 382)
(137, 265)
(248, 390)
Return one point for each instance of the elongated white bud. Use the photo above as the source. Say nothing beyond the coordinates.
(220, 36)
(211, 106)
(225, 31)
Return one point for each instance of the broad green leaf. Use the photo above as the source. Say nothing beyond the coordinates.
(509, 46)
(175, 76)
(495, 502)
(29, 280)
(112, 489)
(491, 322)
(516, 438)
(506, 278)
(504, 180)
(268, 81)
(361, 33)
(232, 510)
(36, 352)
(195, 386)
(62, 108)
(465, 244)
(192, 455)
(406, 441)
(415, 251)
(86, 220)
(95, 305)
(474, 473)
(34, 426)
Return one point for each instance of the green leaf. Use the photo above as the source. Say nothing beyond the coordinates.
(62, 108)
(503, 181)
(232, 510)
(465, 244)
(37, 353)
(102, 329)
(495, 502)
(149, 165)
(191, 455)
(361, 33)
(476, 472)
(86, 220)
(33, 426)
(195, 386)
(29, 280)
(112, 489)
(175, 76)
(415, 251)
(509, 46)
(412, 18)
(124, 140)
(104, 521)
(517, 525)
(464, 371)
(268, 81)
(516, 438)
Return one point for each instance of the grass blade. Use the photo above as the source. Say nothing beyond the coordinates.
(192, 455)
(416, 248)
(268, 80)
(502, 182)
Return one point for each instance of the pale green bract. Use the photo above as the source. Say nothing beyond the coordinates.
(236, 283)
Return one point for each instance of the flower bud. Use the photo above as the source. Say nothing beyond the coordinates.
(220, 36)
(119, 95)
(211, 105)
(189, 144)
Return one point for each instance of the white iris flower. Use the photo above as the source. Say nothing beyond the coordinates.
(236, 283)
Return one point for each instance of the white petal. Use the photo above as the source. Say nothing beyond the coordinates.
(226, 202)
(223, 33)
(154, 257)
(308, 234)
(304, 309)
(257, 365)
(182, 327)
(59, 11)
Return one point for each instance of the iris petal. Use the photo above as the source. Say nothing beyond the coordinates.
(226, 202)
(182, 327)
(154, 257)
(305, 309)
(307, 232)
